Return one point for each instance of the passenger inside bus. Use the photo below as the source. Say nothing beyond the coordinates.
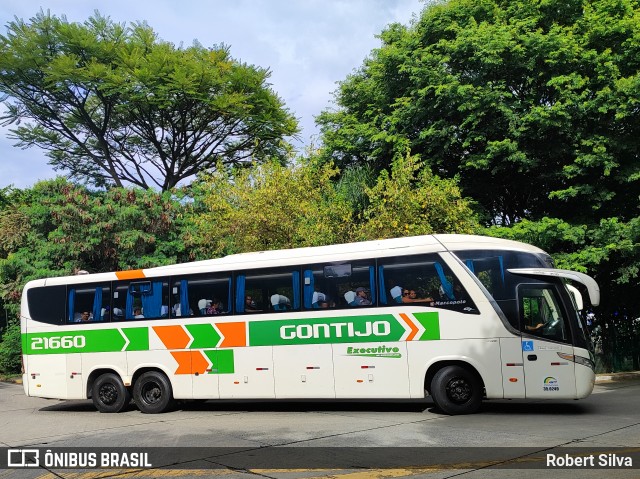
(214, 307)
(280, 302)
(362, 297)
(318, 298)
(250, 305)
(350, 298)
(412, 297)
(402, 295)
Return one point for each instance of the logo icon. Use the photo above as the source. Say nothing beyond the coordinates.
(527, 345)
(550, 384)
(23, 458)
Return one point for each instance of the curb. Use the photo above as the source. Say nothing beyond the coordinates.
(610, 377)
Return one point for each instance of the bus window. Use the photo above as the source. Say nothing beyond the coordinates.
(88, 302)
(268, 291)
(140, 300)
(339, 285)
(182, 302)
(490, 267)
(47, 304)
(211, 293)
(540, 312)
(422, 280)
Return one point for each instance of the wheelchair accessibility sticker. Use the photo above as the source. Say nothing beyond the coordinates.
(527, 345)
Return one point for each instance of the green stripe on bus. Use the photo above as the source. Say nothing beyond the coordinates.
(138, 339)
(204, 336)
(341, 329)
(344, 329)
(221, 361)
(431, 325)
(88, 341)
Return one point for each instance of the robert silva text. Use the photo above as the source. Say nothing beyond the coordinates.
(602, 460)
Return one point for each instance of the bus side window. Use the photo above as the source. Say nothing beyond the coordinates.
(540, 312)
(422, 280)
(335, 285)
(209, 294)
(88, 302)
(270, 290)
(47, 304)
(181, 301)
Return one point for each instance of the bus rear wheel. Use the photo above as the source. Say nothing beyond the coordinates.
(109, 394)
(456, 390)
(152, 393)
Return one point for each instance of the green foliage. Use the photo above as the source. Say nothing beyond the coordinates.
(532, 105)
(10, 349)
(609, 251)
(267, 207)
(112, 104)
(57, 228)
(270, 206)
(412, 201)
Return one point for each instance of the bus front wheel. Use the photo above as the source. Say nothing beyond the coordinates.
(456, 390)
(152, 393)
(109, 394)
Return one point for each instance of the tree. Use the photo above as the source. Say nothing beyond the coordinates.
(113, 105)
(271, 206)
(10, 348)
(267, 206)
(608, 251)
(412, 201)
(533, 104)
(58, 228)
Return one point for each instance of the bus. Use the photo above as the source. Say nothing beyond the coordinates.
(459, 318)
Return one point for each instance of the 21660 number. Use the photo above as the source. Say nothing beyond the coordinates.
(58, 342)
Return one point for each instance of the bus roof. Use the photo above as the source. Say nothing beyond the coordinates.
(331, 253)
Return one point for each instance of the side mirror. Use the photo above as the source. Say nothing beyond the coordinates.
(577, 297)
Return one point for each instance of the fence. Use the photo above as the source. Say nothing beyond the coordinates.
(617, 343)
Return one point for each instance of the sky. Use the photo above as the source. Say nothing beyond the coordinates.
(308, 45)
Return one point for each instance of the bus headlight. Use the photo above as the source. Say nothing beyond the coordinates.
(579, 360)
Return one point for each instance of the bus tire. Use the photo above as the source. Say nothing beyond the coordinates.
(152, 393)
(109, 394)
(455, 390)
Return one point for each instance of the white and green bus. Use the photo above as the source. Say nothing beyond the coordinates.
(460, 318)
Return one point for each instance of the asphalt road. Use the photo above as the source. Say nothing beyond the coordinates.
(609, 418)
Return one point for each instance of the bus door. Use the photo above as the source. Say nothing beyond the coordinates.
(546, 342)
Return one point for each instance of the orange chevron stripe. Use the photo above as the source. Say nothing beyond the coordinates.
(183, 358)
(173, 337)
(234, 334)
(414, 329)
(199, 363)
(131, 274)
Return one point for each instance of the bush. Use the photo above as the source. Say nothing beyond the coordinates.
(10, 349)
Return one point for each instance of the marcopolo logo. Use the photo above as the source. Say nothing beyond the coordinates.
(375, 352)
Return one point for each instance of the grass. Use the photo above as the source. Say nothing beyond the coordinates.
(11, 378)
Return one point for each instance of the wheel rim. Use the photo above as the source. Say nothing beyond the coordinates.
(459, 390)
(151, 392)
(108, 394)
